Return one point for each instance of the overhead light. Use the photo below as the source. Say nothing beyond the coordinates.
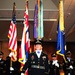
(50, 39)
(69, 13)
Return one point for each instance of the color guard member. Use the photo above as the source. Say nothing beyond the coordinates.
(37, 62)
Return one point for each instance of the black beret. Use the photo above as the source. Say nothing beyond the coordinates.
(68, 52)
(1, 53)
(53, 55)
(38, 42)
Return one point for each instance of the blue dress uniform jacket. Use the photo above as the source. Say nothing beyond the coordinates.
(35, 65)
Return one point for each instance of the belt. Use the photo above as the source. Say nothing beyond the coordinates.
(37, 66)
(69, 69)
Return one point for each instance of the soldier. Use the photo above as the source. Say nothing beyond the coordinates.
(7, 62)
(12, 68)
(2, 64)
(69, 65)
(54, 65)
(37, 62)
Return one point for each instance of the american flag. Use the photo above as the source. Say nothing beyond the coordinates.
(12, 35)
(25, 43)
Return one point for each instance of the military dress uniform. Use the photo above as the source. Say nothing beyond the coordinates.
(16, 67)
(54, 66)
(7, 62)
(35, 65)
(2, 64)
(54, 70)
(14, 70)
(69, 66)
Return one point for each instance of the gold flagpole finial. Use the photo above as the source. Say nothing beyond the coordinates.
(14, 7)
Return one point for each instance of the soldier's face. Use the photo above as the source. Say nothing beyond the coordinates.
(1, 56)
(38, 47)
(69, 55)
(54, 58)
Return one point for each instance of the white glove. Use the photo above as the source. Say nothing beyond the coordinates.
(68, 73)
(11, 54)
(22, 74)
(54, 61)
(56, 64)
(71, 67)
(11, 68)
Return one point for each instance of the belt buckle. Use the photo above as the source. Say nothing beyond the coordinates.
(38, 66)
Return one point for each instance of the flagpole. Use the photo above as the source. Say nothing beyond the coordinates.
(39, 19)
(61, 15)
(13, 34)
(60, 41)
(14, 12)
(25, 40)
(14, 9)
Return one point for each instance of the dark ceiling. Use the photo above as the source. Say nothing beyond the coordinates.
(50, 18)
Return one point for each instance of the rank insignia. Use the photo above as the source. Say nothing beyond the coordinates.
(32, 57)
(44, 57)
(33, 62)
